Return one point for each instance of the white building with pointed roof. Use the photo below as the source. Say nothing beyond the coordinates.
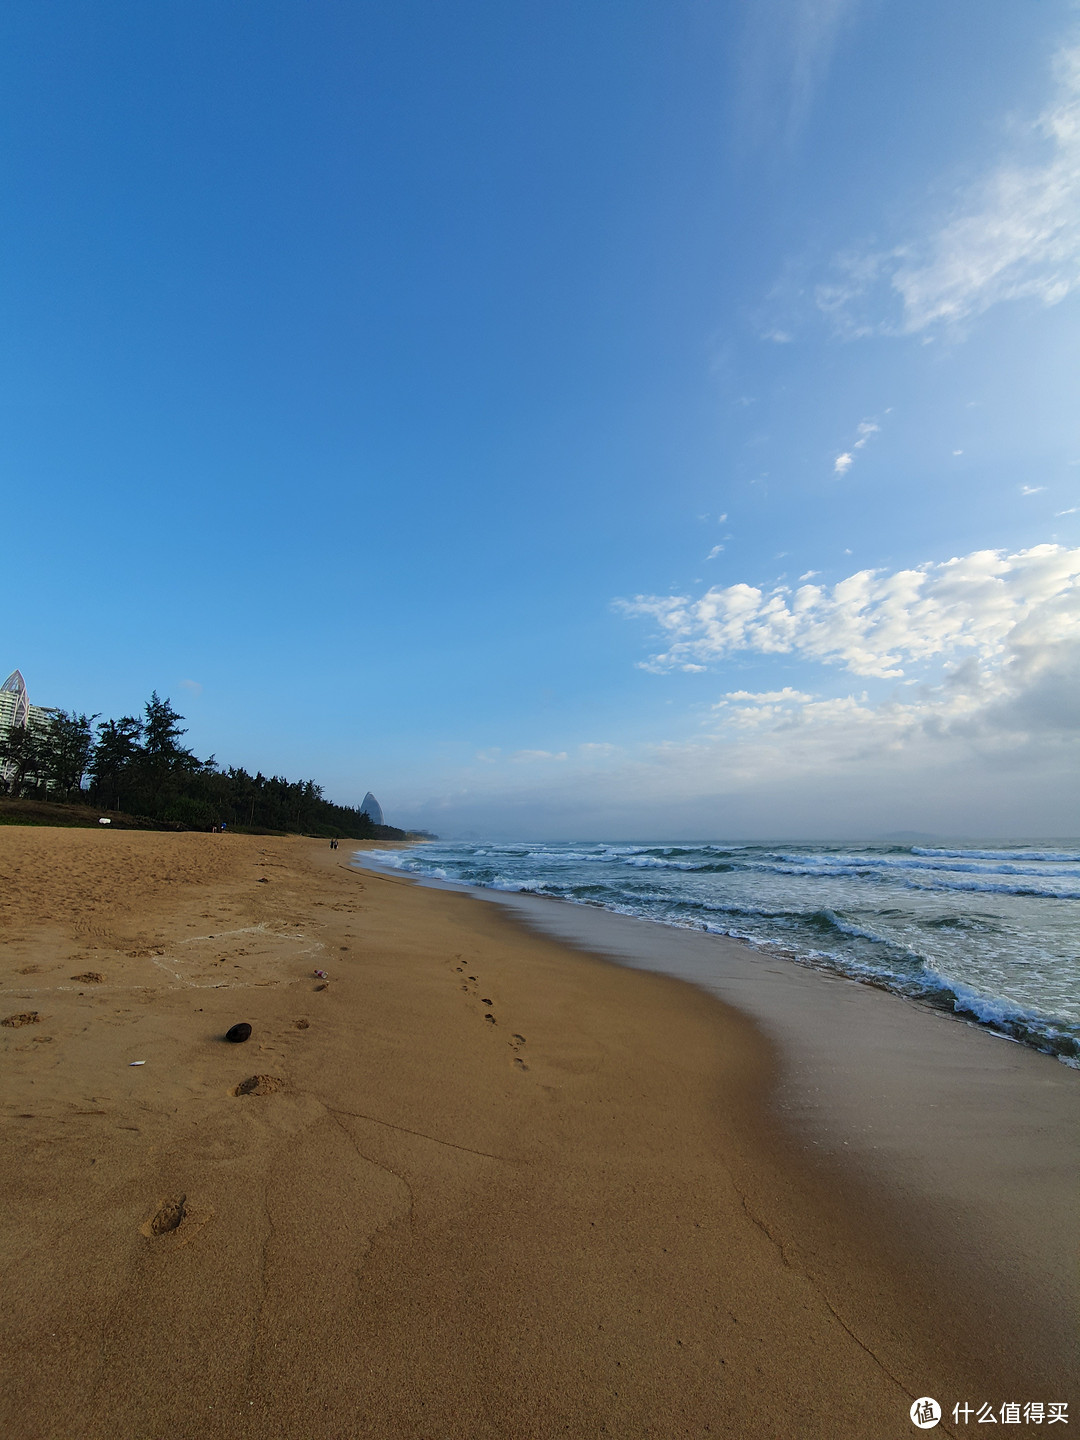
(15, 707)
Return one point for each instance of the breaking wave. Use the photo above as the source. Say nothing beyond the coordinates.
(983, 932)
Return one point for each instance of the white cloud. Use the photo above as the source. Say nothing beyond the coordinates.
(863, 433)
(1032, 489)
(786, 696)
(989, 750)
(1014, 234)
(192, 685)
(1071, 511)
(755, 709)
(987, 742)
(984, 604)
(716, 550)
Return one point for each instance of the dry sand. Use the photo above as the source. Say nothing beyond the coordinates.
(487, 1186)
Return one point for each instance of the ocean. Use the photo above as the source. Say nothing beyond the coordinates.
(989, 932)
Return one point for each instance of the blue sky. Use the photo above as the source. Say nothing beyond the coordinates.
(446, 399)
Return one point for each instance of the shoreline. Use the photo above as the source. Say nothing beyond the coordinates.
(499, 1186)
(1039, 1031)
(966, 1131)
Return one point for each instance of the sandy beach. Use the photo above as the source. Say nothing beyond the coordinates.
(482, 1183)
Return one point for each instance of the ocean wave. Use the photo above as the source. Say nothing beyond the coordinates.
(699, 867)
(966, 931)
(839, 864)
(1062, 856)
(989, 887)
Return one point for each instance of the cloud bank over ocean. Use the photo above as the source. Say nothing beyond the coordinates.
(970, 710)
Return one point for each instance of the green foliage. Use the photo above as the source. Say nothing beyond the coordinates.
(117, 750)
(24, 758)
(70, 744)
(137, 764)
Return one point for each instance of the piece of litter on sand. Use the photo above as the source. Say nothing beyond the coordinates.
(136, 1062)
(319, 974)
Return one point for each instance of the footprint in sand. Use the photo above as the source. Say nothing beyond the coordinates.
(516, 1042)
(490, 1019)
(259, 1085)
(169, 1217)
(302, 1024)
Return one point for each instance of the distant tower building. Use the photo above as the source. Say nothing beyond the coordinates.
(14, 702)
(16, 713)
(15, 707)
(372, 809)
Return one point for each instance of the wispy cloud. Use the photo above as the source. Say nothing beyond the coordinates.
(873, 623)
(193, 685)
(1032, 489)
(865, 430)
(787, 50)
(1013, 234)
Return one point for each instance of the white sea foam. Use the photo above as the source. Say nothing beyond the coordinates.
(1064, 856)
(979, 929)
(989, 887)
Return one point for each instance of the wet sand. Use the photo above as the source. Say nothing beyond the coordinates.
(492, 1187)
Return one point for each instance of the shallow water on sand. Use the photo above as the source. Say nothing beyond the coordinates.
(989, 931)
